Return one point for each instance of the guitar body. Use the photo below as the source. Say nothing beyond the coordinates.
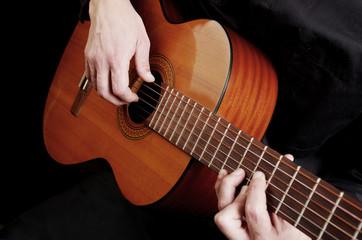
(203, 60)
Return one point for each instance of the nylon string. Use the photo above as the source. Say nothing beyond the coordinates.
(276, 158)
(170, 110)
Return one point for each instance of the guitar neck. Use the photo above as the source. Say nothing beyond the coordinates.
(304, 200)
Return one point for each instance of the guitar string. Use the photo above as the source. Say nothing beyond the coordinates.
(276, 158)
(252, 171)
(268, 162)
(196, 155)
(165, 135)
(322, 196)
(271, 194)
(273, 156)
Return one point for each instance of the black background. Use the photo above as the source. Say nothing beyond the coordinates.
(34, 38)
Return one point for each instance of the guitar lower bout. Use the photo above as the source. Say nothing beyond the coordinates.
(205, 62)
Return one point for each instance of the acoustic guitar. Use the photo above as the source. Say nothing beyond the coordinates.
(209, 107)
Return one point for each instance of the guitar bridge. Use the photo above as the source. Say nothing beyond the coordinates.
(85, 88)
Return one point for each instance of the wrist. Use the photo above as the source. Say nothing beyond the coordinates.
(107, 7)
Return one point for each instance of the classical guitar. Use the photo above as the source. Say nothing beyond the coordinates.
(213, 91)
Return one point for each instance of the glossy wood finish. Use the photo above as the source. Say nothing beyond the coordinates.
(207, 59)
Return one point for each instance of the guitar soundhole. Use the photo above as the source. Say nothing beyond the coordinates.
(149, 95)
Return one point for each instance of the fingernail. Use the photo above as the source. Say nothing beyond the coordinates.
(258, 174)
(222, 173)
(243, 189)
(239, 171)
(150, 76)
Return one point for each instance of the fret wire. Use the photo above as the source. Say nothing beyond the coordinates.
(346, 200)
(281, 212)
(271, 155)
(183, 129)
(208, 142)
(283, 171)
(303, 194)
(169, 113)
(302, 184)
(231, 149)
(357, 231)
(193, 128)
(179, 119)
(218, 146)
(156, 110)
(245, 167)
(307, 202)
(274, 170)
(330, 216)
(270, 194)
(246, 151)
(257, 164)
(163, 109)
(287, 190)
(284, 203)
(199, 136)
(285, 216)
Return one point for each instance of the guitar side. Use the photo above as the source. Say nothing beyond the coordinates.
(211, 64)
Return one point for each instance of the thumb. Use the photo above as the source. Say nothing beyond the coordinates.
(143, 63)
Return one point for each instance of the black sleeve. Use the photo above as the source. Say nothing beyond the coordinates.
(84, 10)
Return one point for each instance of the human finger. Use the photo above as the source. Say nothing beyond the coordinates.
(289, 156)
(256, 212)
(142, 60)
(220, 177)
(120, 84)
(104, 87)
(230, 219)
(227, 187)
(91, 74)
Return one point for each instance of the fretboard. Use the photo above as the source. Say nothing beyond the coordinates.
(304, 200)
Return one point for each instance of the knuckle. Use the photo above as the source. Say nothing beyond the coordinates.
(119, 91)
(222, 203)
(217, 186)
(220, 220)
(89, 54)
(118, 64)
(101, 94)
(147, 42)
(228, 181)
(252, 212)
(94, 58)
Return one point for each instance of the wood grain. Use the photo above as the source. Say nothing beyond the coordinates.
(151, 171)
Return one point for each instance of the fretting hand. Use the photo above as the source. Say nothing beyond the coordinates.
(246, 216)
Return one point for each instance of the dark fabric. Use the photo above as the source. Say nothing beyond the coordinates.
(95, 209)
(87, 211)
(316, 48)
